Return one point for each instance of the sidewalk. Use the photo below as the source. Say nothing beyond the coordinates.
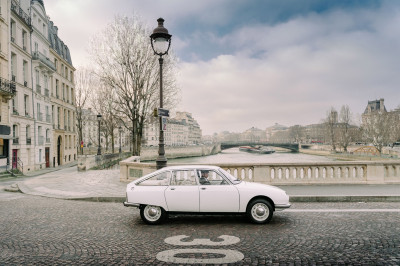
(104, 185)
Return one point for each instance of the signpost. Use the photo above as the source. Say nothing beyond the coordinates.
(163, 112)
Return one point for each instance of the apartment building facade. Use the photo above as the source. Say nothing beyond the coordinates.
(7, 86)
(32, 65)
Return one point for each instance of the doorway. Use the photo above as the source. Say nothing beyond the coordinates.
(14, 159)
(59, 150)
(47, 157)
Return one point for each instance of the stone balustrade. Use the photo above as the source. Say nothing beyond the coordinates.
(355, 172)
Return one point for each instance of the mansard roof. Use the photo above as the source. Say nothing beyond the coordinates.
(376, 105)
(57, 44)
(39, 1)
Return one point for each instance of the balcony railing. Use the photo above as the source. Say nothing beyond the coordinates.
(16, 140)
(20, 13)
(28, 141)
(46, 92)
(38, 88)
(7, 87)
(15, 111)
(44, 60)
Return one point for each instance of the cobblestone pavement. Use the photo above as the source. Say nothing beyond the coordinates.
(41, 231)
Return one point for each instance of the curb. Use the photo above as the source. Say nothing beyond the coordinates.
(344, 198)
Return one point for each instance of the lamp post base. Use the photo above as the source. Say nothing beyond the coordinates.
(161, 162)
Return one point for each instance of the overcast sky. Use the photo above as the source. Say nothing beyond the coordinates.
(255, 63)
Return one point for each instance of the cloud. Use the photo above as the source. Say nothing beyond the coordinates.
(293, 72)
(254, 63)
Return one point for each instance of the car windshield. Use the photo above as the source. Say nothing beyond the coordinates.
(233, 179)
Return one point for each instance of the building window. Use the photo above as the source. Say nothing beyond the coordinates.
(25, 72)
(26, 104)
(24, 40)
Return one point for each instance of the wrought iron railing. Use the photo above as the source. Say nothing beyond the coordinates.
(44, 59)
(20, 13)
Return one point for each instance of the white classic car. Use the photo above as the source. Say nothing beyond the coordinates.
(202, 190)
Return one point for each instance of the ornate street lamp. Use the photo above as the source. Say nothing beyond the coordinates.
(160, 42)
(99, 148)
(120, 142)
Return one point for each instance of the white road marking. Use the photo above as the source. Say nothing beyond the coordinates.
(177, 241)
(231, 256)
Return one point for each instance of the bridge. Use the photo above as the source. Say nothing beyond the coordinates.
(294, 147)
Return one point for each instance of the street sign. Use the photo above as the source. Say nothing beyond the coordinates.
(163, 112)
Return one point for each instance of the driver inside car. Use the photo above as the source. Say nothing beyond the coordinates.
(203, 180)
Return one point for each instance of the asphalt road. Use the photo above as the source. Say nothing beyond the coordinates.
(42, 231)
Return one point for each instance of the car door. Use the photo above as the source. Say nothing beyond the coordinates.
(217, 195)
(183, 193)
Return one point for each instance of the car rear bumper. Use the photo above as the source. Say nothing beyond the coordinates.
(128, 204)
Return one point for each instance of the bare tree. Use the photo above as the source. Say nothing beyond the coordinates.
(104, 104)
(344, 133)
(330, 126)
(85, 83)
(379, 128)
(126, 64)
(297, 133)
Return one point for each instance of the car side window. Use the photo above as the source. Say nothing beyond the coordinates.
(161, 179)
(209, 177)
(183, 178)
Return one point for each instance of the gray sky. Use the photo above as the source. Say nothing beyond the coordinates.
(260, 62)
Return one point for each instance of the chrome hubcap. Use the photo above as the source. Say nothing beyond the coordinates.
(260, 212)
(152, 213)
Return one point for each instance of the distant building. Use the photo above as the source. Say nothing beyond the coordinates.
(375, 106)
(275, 129)
(89, 128)
(181, 130)
(254, 135)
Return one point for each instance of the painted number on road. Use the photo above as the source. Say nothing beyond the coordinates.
(229, 256)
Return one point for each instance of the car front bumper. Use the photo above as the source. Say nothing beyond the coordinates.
(281, 207)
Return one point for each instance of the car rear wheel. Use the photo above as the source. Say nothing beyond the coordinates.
(152, 214)
(260, 211)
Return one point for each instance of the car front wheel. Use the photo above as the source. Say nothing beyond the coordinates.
(260, 211)
(152, 214)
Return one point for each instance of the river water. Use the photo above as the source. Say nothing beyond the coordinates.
(233, 155)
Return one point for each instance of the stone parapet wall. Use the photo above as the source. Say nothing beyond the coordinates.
(173, 152)
(86, 162)
(356, 172)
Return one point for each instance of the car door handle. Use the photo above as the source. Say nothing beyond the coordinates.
(172, 188)
(203, 188)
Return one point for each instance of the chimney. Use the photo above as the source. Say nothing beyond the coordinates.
(381, 106)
